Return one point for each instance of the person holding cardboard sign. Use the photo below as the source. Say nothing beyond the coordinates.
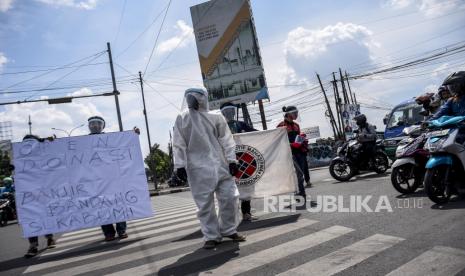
(96, 125)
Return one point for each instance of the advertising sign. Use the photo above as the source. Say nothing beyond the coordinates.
(312, 132)
(79, 182)
(228, 51)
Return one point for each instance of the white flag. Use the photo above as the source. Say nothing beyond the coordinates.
(265, 160)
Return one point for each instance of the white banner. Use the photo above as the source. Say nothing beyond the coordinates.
(265, 164)
(79, 182)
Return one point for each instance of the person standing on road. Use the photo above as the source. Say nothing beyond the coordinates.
(298, 146)
(204, 155)
(96, 125)
(229, 112)
(34, 241)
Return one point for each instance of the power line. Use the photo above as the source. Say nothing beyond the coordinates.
(67, 74)
(142, 33)
(48, 72)
(120, 21)
(149, 85)
(44, 70)
(156, 39)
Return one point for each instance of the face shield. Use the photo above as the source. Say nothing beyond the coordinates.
(96, 126)
(195, 98)
(229, 112)
(455, 89)
(292, 115)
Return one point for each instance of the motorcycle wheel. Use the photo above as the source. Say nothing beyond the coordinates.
(341, 171)
(436, 186)
(381, 163)
(403, 179)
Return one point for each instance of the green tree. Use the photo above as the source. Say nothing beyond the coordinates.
(5, 167)
(159, 164)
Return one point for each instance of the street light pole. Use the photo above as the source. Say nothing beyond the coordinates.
(68, 132)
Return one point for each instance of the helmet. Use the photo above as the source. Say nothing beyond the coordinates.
(360, 120)
(96, 124)
(7, 181)
(31, 137)
(455, 83)
(290, 110)
(229, 111)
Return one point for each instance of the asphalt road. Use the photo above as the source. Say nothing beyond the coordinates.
(408, 236)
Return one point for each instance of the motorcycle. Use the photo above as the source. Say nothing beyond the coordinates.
(408, 170)
(445, 169)
(347, 163)
(7, 209)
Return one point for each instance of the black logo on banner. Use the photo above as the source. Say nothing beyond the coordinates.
(251, 165)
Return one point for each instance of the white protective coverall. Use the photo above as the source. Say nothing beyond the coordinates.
(204, 146)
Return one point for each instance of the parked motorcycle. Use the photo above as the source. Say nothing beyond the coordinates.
(408, 170)
(347, 163)
(445, 169)
(7, 208)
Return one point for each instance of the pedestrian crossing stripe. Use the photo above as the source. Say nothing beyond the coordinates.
(440, 260)
(249, 262)
(346, 257)
(161, 244)
(140, 226)
(158, 214)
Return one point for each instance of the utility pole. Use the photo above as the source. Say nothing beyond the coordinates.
(30, 125)
(331, 116)
(115, 90)
(262, 114)
(344, 91)
(245, 114)
(336, 102)
(336, 92)
(145, 111)
(354, 100)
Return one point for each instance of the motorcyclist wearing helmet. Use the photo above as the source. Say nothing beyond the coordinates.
(8, 186)
(366, 135)
(455, 106)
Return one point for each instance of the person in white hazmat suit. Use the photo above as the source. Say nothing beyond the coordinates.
(204, 155)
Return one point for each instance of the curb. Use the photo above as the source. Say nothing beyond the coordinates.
(172, 191)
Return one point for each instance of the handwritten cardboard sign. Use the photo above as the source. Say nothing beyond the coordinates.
(79, 182)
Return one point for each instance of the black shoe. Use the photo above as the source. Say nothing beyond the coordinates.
(33, 251)
(210, 244)
(51, 243)
(123, 236)
(236, 237)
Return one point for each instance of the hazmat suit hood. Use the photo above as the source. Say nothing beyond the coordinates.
(195, 98)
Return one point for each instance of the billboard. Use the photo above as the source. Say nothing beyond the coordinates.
(228, 52)
(349, 111)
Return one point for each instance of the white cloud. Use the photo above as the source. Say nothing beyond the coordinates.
(325, 50)
(3, 60)
(430, 8)
(85, 5)
(183, 38)
(5, 5)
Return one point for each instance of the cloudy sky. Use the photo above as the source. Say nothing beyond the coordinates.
(297, 38)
